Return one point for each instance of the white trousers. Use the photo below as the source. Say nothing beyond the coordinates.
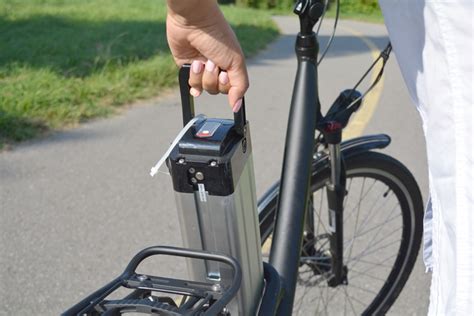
(433, 43)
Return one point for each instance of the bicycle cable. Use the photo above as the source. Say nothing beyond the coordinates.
(326, 2)
(384, 55)
(336, 19)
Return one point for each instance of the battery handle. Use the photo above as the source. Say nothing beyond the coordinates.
(187, 102)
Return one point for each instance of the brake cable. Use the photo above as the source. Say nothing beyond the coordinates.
(336, 19)
(384, 55)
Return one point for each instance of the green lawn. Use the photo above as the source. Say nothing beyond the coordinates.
(66, 61)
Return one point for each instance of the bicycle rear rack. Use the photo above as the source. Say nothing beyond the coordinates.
(201, 298)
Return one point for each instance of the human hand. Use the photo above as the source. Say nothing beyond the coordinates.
(199, 34)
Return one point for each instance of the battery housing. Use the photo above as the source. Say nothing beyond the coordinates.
(213, 179)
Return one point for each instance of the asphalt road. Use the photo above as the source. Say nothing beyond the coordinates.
(76, 205)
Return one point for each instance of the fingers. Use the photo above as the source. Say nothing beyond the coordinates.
(210, 78)
(224, 84)
(195, 78)
(207, 76)
(204, 76)
(239, 83)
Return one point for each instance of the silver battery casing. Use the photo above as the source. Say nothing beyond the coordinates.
(226, 224)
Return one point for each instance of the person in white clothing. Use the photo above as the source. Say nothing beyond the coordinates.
(433, 43)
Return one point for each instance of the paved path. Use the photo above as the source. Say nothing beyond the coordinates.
(77, 205)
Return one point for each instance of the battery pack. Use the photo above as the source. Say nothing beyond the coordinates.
(213, 179)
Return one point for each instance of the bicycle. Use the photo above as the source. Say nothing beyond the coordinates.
(324, 185)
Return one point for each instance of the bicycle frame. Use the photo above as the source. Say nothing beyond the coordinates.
(298, 156)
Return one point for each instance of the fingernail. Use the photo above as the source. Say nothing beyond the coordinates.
(237, 106)
(210, 66)
(194, 92)
(196, 66)
(223, 78)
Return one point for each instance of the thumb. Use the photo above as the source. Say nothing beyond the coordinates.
(239, 83)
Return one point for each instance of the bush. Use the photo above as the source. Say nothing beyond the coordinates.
(360, 6)
(352, 6)
(263, 4)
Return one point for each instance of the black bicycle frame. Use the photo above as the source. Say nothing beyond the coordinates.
(293, 201)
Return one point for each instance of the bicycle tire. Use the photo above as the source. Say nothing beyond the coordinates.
(398, 179)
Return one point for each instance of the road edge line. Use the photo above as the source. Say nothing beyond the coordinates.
(371, 100)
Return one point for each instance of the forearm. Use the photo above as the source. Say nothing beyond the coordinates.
(192, 12)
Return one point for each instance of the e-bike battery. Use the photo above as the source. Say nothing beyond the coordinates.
(213, 178)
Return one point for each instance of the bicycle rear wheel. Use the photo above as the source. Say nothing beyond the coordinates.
(383, 213)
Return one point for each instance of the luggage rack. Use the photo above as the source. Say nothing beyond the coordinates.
(198, 298)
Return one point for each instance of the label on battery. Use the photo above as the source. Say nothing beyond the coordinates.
(202, 192)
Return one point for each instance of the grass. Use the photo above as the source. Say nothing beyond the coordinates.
(66, 61)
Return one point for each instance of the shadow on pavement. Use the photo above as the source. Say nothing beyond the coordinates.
(342, 45)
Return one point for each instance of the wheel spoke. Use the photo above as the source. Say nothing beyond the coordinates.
(365, 222)
(373, 231)
(350, 301)
(374, 250)
(371, 211)
(384, 238)
(363, 289)
(379, 264)
(364, 274)
(357, 219)
(383, 223)
(372, 244)
(370, 268)
(320, 220)
(361, 197)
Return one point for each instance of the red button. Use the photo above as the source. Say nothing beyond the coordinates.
(208, 129)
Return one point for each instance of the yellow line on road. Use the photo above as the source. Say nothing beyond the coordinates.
(362, 117)
(267, 246)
